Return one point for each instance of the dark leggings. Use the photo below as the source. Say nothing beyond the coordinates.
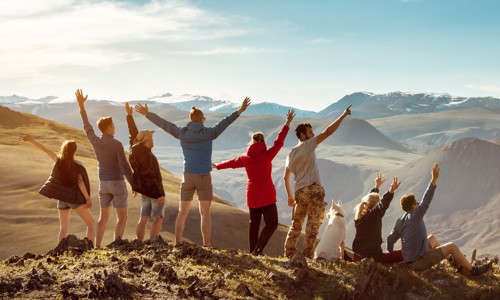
(270, 213)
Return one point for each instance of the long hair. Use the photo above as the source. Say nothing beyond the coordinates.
(367, 202)
(67, 163)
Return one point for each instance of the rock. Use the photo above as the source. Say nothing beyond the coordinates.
(298, 261)
(167, 274)
(243, 290)
(411, 296)
(20, 263)
(115, 287)
(301, 273)
(13, 259)
(73, 245)
(148, 263)
(181, 293)
(135, 245)
(115, 259)
(29, 255)
(134, 265)
(11, 287)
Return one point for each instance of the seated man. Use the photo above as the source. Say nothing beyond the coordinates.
(419, 251)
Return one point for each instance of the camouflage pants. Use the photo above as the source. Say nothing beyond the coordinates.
(310, 202)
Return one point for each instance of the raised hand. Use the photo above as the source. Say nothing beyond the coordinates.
(24, 138)
(347, 111)
(244, 105)
(435, 173)
(79, 97)
(394, 185)
(289, 117)
(128, 109)
(379, 180)
(143, 110)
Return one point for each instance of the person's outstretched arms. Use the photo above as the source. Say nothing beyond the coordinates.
(28, 138)
(89, 131)
(387, 198)
(429, 193)
(280, 139)
(378, 182)
(169, 127)
(333, 126)
(132, 128)
(288, 187)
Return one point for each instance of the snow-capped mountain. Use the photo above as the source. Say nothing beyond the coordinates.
(369, 106)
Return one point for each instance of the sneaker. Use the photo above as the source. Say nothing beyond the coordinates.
(481, 269)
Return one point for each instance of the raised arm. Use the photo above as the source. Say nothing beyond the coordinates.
(169, 127)
(288, 187)
(333, 126)
(393, 236)
(429, 194)
(232, 163)
(89, 131)
(280, 139)
(387, 198)
(28, 138)
(132, 128)
(219, 128)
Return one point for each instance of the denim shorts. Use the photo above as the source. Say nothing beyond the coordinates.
(66, 205)
(113, 192)
(151, 208)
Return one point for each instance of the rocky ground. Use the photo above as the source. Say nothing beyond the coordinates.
(157, 270)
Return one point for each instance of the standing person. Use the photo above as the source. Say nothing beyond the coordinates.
(70, 173)
(112, 165)
(260, 191)
(147, 178)
(368, 222)
(309, 199)
(420, 251)
(196, 142)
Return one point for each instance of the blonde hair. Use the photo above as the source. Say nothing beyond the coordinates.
(256, 137)
(367, 202)
(195, 114)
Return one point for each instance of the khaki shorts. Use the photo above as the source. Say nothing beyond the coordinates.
(201, 183)
(432, 257)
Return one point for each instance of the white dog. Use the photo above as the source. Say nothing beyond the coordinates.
(331, 244)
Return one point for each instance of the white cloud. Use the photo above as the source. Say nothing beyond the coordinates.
(220, 51)
(40, 35)
(490, 89)
(319, 41)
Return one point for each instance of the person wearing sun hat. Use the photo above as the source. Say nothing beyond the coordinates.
(147, 178)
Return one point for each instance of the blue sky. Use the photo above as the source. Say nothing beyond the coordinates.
(302, 53)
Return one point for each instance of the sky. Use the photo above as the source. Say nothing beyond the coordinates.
(307, 54)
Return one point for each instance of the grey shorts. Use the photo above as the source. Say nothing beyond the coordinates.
(432, 257)
(201, 183)
(66, 205)
(113, 192)
(151, 208)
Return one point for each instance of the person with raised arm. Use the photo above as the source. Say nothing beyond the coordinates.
(112, 166)
(196, 142)
(260, 190)
(147, 178)
(309, 197)
(368, 222)
(72, 176)
(420, 251)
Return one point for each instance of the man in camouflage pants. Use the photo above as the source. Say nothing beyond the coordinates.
(309, 197)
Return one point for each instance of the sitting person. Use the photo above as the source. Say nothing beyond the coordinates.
(368, 223)
(421, 252)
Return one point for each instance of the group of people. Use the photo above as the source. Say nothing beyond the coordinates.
(419, 251)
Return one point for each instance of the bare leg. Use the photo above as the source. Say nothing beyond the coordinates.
(101, 225)
(86, 216)
(156, 227)
(64, 215)
(433, 242)
(184, 207)
(458, 257)
(141, 228)
(121, 222)
(206, 221)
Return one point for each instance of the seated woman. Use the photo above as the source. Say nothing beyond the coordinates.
(260, 191)
(368, 223)
(67, 172)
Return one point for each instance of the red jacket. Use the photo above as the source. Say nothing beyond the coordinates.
(258, 164)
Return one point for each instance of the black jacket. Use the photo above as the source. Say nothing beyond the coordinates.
(55, 189)
(147, 176)
(368, 239)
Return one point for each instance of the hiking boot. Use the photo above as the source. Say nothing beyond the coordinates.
(481, 269)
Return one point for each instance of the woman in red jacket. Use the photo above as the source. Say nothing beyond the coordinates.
(261, 194)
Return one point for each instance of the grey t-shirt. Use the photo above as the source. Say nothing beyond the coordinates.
(302, 163)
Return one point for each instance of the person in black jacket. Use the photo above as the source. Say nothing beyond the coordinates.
(368, 223)
(147, 178)
(68, 172)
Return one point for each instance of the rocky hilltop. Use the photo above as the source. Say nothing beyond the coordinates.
(157, 270)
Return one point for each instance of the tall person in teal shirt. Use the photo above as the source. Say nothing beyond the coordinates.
(196, 142)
